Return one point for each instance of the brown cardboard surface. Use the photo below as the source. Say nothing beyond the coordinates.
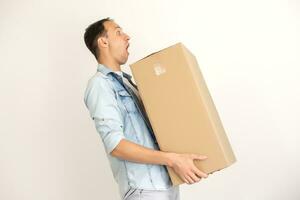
(180, 108)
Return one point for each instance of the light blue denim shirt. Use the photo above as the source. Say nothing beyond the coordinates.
(116, 117)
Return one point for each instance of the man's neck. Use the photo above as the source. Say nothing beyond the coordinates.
(113, 66)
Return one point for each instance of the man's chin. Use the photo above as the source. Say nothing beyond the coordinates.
(125, 58)
(124, 61)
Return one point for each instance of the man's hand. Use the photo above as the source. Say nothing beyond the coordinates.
(183, 165)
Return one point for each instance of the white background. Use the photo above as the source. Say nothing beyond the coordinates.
(248, 52)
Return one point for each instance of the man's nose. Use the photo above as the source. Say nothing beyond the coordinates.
(127, 37)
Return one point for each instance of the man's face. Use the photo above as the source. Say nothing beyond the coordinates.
(118, 42)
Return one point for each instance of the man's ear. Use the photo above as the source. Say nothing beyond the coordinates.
(102, 41)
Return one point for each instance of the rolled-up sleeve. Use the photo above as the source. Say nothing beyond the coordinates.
(100, 100)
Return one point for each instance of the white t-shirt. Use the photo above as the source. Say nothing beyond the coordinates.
(119, 73)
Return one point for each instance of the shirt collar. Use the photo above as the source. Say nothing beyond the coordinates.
(106, 70)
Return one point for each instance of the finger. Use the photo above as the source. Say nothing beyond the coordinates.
(194, 177)
(190, 180)
(199, 173)
(184, 179)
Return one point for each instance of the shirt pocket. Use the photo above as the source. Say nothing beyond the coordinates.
(127, 101)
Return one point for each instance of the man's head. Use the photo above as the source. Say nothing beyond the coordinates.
(106, 40)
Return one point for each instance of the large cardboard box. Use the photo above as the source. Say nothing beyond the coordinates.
(180, 108)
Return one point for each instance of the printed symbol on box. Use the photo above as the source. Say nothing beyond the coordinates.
(159, 70)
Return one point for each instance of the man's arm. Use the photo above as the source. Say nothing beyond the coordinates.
(131, 151)
(182, 164)
(103, 108)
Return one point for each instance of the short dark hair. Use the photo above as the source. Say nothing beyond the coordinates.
(92, 33)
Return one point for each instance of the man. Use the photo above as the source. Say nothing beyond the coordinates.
(138, 166)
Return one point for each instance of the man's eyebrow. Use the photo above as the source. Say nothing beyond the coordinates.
(118, 27)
